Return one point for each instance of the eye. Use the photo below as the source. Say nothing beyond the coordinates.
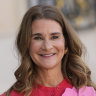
(54, 37)
(37, 38)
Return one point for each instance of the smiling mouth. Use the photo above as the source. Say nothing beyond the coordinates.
(47, 55)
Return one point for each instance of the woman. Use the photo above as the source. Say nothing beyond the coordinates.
(51, 63)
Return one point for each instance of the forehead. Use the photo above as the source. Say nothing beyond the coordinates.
(46, 25)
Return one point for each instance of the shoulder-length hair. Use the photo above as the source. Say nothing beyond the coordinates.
(73, 67)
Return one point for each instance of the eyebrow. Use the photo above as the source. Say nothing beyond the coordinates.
(39, 34)
(36, 34)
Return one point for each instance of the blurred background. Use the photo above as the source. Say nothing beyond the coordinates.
(81, 14)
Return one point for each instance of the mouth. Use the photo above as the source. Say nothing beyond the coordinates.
(47, 55)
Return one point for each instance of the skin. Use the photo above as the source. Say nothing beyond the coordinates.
(47, 49)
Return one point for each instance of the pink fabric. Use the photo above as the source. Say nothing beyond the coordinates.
(84, 91)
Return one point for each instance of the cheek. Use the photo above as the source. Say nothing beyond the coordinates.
(34, 47)
(61, 48)
(61, 44)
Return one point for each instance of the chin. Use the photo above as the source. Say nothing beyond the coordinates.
(51, 66)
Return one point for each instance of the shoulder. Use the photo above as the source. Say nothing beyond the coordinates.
(14, 93)
(2, 94)
(84, 91)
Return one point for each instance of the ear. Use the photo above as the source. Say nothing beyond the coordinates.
(65, 51)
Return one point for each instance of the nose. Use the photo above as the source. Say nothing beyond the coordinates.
(47, 45)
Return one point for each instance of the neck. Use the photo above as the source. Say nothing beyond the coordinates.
(49, 77)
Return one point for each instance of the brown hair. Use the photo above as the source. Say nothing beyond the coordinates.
(73, 67)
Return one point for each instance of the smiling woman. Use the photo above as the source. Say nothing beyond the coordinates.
(51, 57)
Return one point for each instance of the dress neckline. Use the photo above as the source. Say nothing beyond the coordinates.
(63, 83)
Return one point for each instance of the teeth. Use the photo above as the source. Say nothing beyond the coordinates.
(48, 55)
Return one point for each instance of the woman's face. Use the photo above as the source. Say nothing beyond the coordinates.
(47, 43)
